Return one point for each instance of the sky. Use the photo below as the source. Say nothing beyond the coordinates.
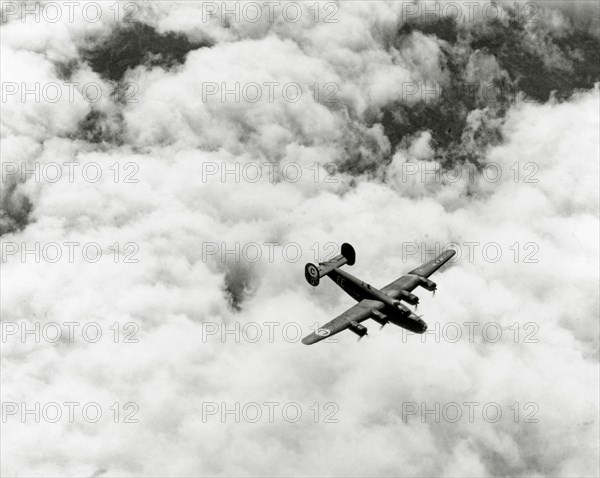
(167, 171)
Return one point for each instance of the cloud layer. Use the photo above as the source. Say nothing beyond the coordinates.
(195, 154)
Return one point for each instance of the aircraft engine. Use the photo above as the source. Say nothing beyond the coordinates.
(401, 307)
(379, 318)
(427, 284)
(358, 329)
(412, 299)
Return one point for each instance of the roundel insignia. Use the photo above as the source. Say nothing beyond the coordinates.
(322, 332)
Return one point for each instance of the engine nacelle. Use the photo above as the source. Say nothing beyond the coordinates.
(401, 307)
(412, 299)
(379, 317)
(358, 329)
(427, 284)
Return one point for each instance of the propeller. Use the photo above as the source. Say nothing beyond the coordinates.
(360, 337)
(434, 292)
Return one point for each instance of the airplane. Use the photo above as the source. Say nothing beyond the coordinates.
(383, 305)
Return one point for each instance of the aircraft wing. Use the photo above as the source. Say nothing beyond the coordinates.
(433, 265)
(410, 281)
(358, 313)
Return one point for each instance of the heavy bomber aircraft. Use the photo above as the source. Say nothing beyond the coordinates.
(383, 305)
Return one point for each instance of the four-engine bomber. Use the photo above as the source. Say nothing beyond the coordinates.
(383, 305)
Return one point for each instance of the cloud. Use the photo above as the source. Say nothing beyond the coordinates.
(196, 218)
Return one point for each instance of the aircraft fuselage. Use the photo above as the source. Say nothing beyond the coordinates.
(394, 311)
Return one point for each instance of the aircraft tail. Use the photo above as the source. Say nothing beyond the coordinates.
(314, 273)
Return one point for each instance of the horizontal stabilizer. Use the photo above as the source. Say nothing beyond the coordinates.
(314, 273)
